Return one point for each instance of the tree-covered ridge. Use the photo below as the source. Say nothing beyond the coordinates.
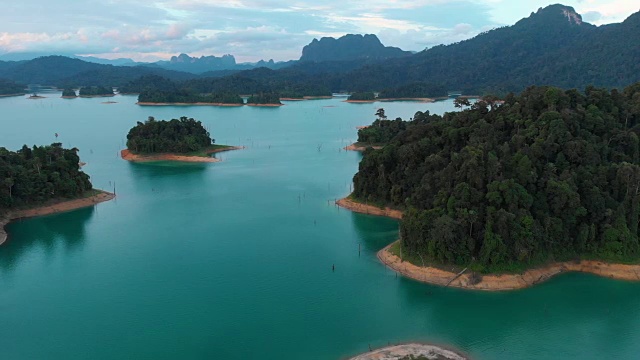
(8, 87)
(148, 82)
(96, 91)
(362, 96)
(264, 99)
(187, 96)
(413, 90)
(31, 176)
(182, 135)
(381, 131)
(68, 92)
(550, 174)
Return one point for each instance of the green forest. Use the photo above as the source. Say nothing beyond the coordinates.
(8, 87)
(264, 98)
(186, 96)
(548, 175)
(413, 90)
(34, 175)
(96, 91)
(182, 135)
(362, 96)
(68, 92)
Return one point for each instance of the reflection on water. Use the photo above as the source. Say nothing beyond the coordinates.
(47, 232)
(375, 232)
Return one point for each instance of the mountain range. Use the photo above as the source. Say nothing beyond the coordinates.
(553, 46)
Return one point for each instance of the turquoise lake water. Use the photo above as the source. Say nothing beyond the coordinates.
(233, 260)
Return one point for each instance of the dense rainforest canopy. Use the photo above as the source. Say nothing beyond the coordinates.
(362, 96)
(175, 136)
(186, 96)
(8, 87)
(68, 92)
(96, 91)
(264, 99)
(549, 174)
(31, 176)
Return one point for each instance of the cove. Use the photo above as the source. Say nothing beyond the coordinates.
(234, 259)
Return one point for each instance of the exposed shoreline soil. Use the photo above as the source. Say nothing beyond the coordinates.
(356, 147)
(395, 352)
(96, 96)
(16, 94)
(63, 206)
(360, 101)
(265, 105)
(359, 207)
(489, 282)
(418, 99)
(126, 154)
(187, 104)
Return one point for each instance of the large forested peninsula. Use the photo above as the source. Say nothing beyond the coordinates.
(547, 175)
(8, 87)
(95, 91)
(188, 97)
(31, 176)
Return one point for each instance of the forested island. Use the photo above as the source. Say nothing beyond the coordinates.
(69, 93)
(264, 99)
(43, 180)
(10, 88)
(549, 175)
(183, 139)
(414, 91)
(186, 97)
(362, 97)
(95, 91)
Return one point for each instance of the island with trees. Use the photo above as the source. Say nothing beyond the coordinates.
(183, 139)
(186, 97)
(380, 132)
(42, 180)
(264, 99)
(69, 93)
(10, 88)
(544, 182)
(96, 91)
(362, 97)
(418, 91)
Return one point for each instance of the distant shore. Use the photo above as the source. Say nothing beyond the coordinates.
(361, 147)
(52, 208)
(126, 154)
(16, 94)
(36, 97)
(186, 104)
(96, 96)
(431, 352)
(265, 105)
(360, 101)
(488, 282)
(418, 99)
(68, 97)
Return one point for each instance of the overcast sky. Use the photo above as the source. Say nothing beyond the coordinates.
(259, 29)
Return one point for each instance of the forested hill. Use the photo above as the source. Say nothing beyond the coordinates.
(551, 47)
(63, 71)
(349, 47)
(548, 175)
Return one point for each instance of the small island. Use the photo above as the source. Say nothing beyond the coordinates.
(69, 93)
(509, 193)
(379, 133)
(43, 180)
(264, 99)
(176, 97)
(184, 140)
(362, 97)
(95, 91)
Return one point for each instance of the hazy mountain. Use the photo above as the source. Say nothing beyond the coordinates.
(349, 47)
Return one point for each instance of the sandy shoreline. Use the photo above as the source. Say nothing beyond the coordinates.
(369, 209)
(63, 206)
(426, 100)
(9, 95)
(186, 104)
(265, 105)
(96, 96)
(354, 147)
(129, 156)
(68, 97)
(360, 101)
(489, 282)
(430, 352)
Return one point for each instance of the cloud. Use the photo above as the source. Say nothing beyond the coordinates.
(255, 29)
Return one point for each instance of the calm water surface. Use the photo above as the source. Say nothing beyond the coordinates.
(233, 260)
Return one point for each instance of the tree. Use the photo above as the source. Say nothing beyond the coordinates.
(380, 114)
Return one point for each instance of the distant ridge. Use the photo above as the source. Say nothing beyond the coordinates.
(349, 47)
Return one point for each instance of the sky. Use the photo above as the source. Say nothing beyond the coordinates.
(147, 30)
